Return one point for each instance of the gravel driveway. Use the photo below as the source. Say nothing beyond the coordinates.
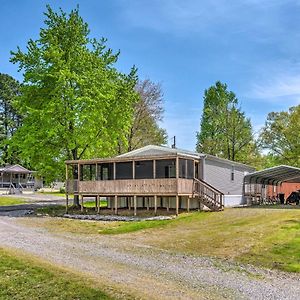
(147, 272)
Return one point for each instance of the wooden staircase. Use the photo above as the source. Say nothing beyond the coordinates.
(208, 195)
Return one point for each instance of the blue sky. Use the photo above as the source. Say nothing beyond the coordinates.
(252, 45)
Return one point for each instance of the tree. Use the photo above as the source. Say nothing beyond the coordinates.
(75, 103)
(224, 130)
(148, 112)
(10, 120)
(281, 136)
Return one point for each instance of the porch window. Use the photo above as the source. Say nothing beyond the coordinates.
(105, 171)
(88, 172)
(166, 168)
(144, 169)
(124, 170)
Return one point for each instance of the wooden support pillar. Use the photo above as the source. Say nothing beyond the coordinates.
(177, 205)
(66, 185)
(155, 204)
(67, 203)
(168, 204)
(81, 205)
(129, 203)
(147, 203)
(134, 204)
(98, 204)
(116, 204)
(188, 204)
(111, 204)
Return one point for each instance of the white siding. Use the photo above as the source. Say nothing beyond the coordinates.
(218, 174)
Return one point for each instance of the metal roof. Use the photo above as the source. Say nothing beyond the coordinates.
(274, 175)
(15, 169)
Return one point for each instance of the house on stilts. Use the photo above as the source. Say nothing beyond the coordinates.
(158, 177)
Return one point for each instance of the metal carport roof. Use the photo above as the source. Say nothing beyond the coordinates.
(274, 175)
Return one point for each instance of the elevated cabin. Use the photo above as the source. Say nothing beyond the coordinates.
(15, 179)
(152, 177)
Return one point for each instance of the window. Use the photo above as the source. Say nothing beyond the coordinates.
(88, 172)
(190, 169)
(144, 169)
(182, 168)
(105, 171)
(232, 173)
(124, 170)
(166, 168)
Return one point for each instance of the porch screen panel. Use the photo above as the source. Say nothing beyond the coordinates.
(182, 168)
(190, 169)
(124, 170)
(144, 169)
(88, 172)
(105, 171)
(166, 168)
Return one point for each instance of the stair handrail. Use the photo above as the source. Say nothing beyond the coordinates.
(213, 190)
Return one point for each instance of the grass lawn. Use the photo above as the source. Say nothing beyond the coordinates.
(55, 194)
(264, 237)
(4, 200)
(22, 277)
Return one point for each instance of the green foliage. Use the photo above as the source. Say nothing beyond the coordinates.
(10, 120)
(148, 113)
(25, 278)
(281, 136)
(75, 103)
(225, 131)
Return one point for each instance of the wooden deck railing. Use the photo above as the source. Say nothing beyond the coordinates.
(208, 195)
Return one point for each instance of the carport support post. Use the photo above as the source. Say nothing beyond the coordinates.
(116, 204)
(134, 204)
(155, 204)
(177, 205)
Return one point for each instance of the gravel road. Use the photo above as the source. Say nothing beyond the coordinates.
(146, 272)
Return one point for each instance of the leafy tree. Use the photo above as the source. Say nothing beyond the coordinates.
(10, 120)
(148, 112)
(75, 103)
(281, 136)
(224, 130)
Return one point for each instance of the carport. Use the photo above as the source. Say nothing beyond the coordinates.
(256, 184)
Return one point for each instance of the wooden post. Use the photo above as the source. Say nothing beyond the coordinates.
(177, 205)
(154, 169)
(114, 170)
(147, 203)
(66, 187)
(134, 204)
(67, 203)
(168, 204)
(188, 204)
(111, 204)
(98, 204)
(155, 204)
(129, 203)
(133, 169)
(116, 204)
(81, 196)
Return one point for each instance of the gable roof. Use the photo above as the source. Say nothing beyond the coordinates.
(15, 169)
(153, 150)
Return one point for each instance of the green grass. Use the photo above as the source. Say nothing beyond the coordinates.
(59, 194)
(4, 200)
(263, 237)
(27, 278)
(91, 204)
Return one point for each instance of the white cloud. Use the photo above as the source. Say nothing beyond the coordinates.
(279, 88)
